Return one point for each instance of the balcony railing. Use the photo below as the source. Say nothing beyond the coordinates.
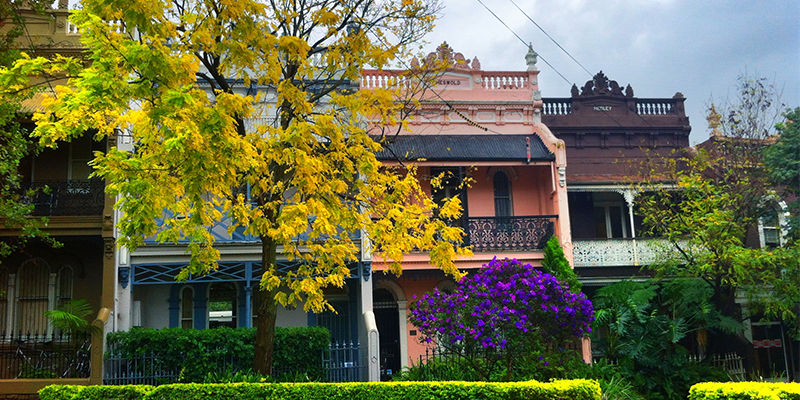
(65, 198)
(526, 233)
(617, 252)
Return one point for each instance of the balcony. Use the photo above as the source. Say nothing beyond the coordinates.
(617, 252)
(496, 234)
(65, 198)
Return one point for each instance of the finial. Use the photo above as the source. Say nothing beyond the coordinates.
(530, 58)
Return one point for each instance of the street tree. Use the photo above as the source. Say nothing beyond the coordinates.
(245, 111)
(707, 203)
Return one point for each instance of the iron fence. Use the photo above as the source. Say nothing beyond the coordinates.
(57, 355)
(341, 362)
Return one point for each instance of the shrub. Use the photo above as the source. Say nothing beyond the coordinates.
(530, 390)
(507, 315)
(555, 263)
(745, 391)
(196, 353)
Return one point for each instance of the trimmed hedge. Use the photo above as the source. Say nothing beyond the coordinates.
(531, 390)
(745, 391)
(196, 353)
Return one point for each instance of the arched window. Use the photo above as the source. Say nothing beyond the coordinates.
(222, 305)
(187, 307)
(502, 195)
(32, 300)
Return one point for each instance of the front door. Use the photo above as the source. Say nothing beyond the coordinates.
(387, 319)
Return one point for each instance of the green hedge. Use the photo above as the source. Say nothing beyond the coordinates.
(196, 353)
(530, 390)
(745, 391)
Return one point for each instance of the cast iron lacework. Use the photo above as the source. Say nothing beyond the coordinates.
(510, 233)
(66, 197)
(227, 272)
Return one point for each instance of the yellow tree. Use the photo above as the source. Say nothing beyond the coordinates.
(190, 79)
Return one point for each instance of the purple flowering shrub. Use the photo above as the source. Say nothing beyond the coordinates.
(504, 313)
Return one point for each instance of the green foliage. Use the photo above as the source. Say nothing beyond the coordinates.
(197, 353)
(644, 327)
(705, 222)
(72, 316)
(716, 197)
(530, 390)
(782, 159)
(745, 391)
(238, 376)
(65, 392)
(556, 264)
(14, 140)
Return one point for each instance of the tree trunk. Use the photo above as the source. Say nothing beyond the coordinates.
(267, 311)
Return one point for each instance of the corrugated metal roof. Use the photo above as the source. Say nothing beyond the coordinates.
(465, 148)
(34, 103)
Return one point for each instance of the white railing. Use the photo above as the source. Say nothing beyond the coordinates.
(117, 26)
(617, 252)
(504, 80)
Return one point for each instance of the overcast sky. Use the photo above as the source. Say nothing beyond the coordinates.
(659, 47)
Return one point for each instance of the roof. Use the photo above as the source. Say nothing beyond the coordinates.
(465, 148)
(34, 103)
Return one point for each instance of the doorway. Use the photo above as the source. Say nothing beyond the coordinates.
(387, 319)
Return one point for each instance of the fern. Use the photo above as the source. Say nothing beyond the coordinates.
(71, 317)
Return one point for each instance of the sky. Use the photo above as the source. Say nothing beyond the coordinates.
(659, 47)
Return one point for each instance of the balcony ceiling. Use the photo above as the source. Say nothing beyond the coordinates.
(466, 148)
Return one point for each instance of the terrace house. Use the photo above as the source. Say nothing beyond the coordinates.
(484, 126)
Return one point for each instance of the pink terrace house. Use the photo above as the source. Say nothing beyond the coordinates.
(485, 125)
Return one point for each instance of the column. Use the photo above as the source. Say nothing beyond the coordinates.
(368, 331)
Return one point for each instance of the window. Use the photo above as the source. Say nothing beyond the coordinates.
(64, 289)
(187, 308)
(32, 300)
(81, 151)
(222, 305)
(338, 323)
(610, 221)
(770, 229)
(502, 195)
(451, 187)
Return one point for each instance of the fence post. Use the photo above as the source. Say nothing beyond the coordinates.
(98, 340)
(373, 352)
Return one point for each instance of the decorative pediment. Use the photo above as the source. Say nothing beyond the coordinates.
(444, 55)
(601, 86)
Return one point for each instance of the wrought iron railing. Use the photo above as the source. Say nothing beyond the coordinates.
(65, 197)
(57, 355)
(341, 362)
(526, 233)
